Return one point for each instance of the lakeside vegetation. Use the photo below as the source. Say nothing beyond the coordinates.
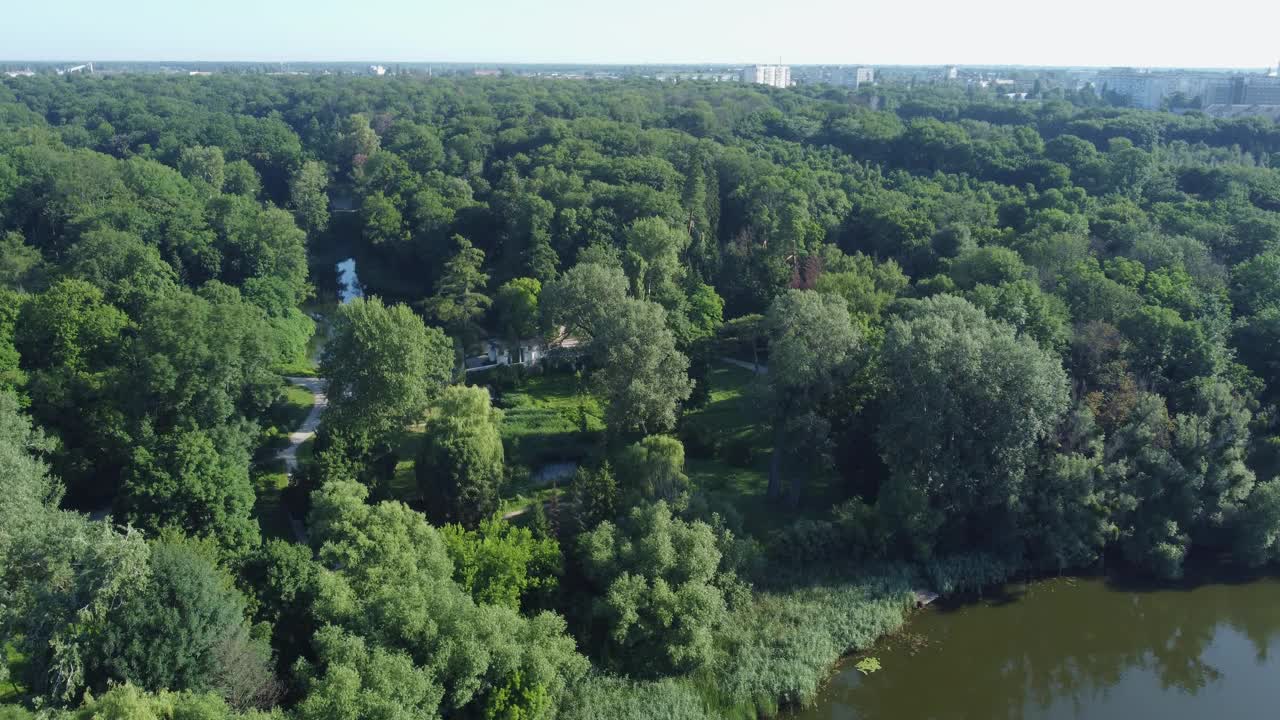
(997, 339)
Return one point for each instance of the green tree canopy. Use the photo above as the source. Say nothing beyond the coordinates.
(460, 465)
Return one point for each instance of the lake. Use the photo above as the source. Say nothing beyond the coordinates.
(1072, 648)
(348, 283)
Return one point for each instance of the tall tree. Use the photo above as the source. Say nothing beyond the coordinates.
(812, 343)
(459, 301)
(460, 465)
(307, 196)
(384, 367)
(966, 403)
(642, 377)
(653, 580)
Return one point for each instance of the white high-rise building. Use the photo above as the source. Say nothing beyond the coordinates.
(778, 76)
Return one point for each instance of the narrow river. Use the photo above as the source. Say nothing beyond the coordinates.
(1073, 648)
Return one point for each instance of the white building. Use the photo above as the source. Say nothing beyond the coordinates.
(1148, 90)
(499, 352)
(854, 76)
(377, 70)
(778, 76)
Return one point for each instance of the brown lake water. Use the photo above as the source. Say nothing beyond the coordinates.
(1076, 648)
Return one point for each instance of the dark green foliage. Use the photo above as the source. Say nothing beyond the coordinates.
(184, 629)
(1090, 379)
(967, 401)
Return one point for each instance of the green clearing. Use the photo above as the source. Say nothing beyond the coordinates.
(10, 690)
(727, 448)
(269, 484)
(284, 417)
(727, 443)
(550, 418)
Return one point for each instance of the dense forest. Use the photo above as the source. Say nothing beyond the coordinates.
(807, 351)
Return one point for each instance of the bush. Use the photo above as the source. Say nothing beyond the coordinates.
(967, 573)
(738, 452)
(699, 441)
(602, 697)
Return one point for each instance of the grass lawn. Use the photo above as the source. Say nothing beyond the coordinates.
(284, 417)
(737, 411)
(300, 367)
(404, 483)
(727, 447)
(544, 421)
(10, 690)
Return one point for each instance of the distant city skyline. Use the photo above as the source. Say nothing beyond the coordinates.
(1093, 33)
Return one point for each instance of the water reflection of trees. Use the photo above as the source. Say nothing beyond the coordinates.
(1066, 642)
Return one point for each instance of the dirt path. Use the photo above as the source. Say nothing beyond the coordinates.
(305, 432)
(308, 428)
(757, 369)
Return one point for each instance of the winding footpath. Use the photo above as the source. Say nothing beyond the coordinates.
(757, 369)
(306, 431)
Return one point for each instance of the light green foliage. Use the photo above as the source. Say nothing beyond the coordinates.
(583, 298)
(384, 366)
(393, 588)
(258, 242)
(129, 272)
(653, 251)
(69, 327)
(643, 378)
(652, 470)
(868, 665)
(653, 577)
(966, 401)
(501, 564)
(988, 266)
(1042, 317)
(62, 577)
(307, 197)
(706, 311)
(357, 141)
(20, 264)
(205, 358)
(129, 702)
(383, 223)
(242, 179)
(204, 167)
(866, 286)
(11, 375)
(460, 465)
(516, 308)
(358, 681)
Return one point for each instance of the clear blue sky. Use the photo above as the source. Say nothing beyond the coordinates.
(1222, 33)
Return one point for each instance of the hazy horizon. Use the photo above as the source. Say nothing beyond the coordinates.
(1088, 33)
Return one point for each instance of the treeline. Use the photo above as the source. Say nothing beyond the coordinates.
(999, 337)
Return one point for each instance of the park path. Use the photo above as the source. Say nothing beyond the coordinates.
(757, 369)
(308, 428)
(306, 431)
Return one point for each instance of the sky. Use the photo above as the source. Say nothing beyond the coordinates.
(1145, 33)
